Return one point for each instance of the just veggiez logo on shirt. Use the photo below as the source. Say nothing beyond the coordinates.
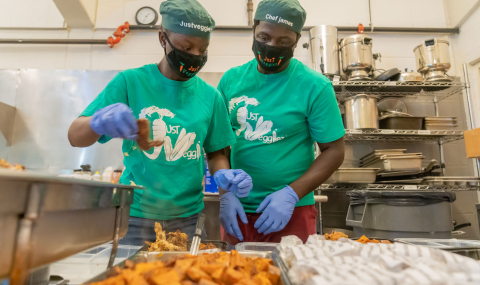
(279, 20)
(196, 26)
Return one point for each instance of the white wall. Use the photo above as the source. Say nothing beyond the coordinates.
(458, 11)
(227, 49)
(466, 49)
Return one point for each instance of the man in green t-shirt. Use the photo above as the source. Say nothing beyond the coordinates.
(279, 108)
(186, 114)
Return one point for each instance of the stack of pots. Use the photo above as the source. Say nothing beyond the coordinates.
(361, 112)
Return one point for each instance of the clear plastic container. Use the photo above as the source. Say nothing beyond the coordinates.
(84, 266)
(256, 246)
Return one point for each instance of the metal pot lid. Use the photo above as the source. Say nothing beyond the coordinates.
(389, 105)
(431, 42)
(356, 38)
(410, 76)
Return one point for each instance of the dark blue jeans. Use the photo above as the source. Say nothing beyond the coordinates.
(141, 230)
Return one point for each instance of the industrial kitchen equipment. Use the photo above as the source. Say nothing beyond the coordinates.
(357, 57)
(361, 112)
(433, 60)
(324, 50)
(46, 218)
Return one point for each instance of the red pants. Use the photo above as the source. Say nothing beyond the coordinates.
(302, 224)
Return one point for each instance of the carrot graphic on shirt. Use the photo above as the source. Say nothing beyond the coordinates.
(181, 67)
(280, 60)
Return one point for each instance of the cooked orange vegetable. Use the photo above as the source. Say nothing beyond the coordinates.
(207, 269)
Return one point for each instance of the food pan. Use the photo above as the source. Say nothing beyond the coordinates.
(353, 175)
(402, 123)
(371, 159)
(222, 245)
(256, 246)
(145, 256)
(400, 163)
(468, 248)
(440, 127)
(453, 180)
(380, 152)
(59, 212)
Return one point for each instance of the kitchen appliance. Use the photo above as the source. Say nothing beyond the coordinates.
(324, 50)
(433, 60)
(361, 112)
(357, 57)
(400, 211)
(40, 213)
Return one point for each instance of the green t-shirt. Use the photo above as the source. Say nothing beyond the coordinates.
(189, 117)
(276, 119)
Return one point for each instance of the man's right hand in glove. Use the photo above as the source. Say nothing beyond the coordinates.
(115, 121)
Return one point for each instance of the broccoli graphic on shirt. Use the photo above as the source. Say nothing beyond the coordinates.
(160, 129)
(262, 127)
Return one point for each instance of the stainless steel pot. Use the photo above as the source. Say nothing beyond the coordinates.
(361, 112)
(324, 50)
(357, 57)
(433, 59)
(411, 76)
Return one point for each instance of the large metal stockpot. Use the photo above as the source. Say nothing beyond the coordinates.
(361, 112)
(357, 57)
(324, 50)
(433, 59)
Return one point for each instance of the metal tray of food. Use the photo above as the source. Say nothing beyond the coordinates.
(468, 248)
(353, 175)
(145, 256)
(222, 245)
(47, 218)
(397, 163)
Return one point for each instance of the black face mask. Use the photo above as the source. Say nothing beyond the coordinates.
(271, 58)
(186, 65)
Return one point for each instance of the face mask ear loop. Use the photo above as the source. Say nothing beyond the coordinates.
(168, 40)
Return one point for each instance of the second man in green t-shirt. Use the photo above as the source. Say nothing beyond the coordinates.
(279, 108)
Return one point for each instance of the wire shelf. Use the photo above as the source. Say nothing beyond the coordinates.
(398, 136)
(413, 91)
(396, 187)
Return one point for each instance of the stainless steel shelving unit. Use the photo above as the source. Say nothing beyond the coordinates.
(396, 187)
(410, 91)
(396, 136)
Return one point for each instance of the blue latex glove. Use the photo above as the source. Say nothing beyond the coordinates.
(230, 207)
(236, 181)
(277, 210)
(115, 121)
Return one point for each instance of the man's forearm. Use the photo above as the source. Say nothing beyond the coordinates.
(80, 134)
(321, 169)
